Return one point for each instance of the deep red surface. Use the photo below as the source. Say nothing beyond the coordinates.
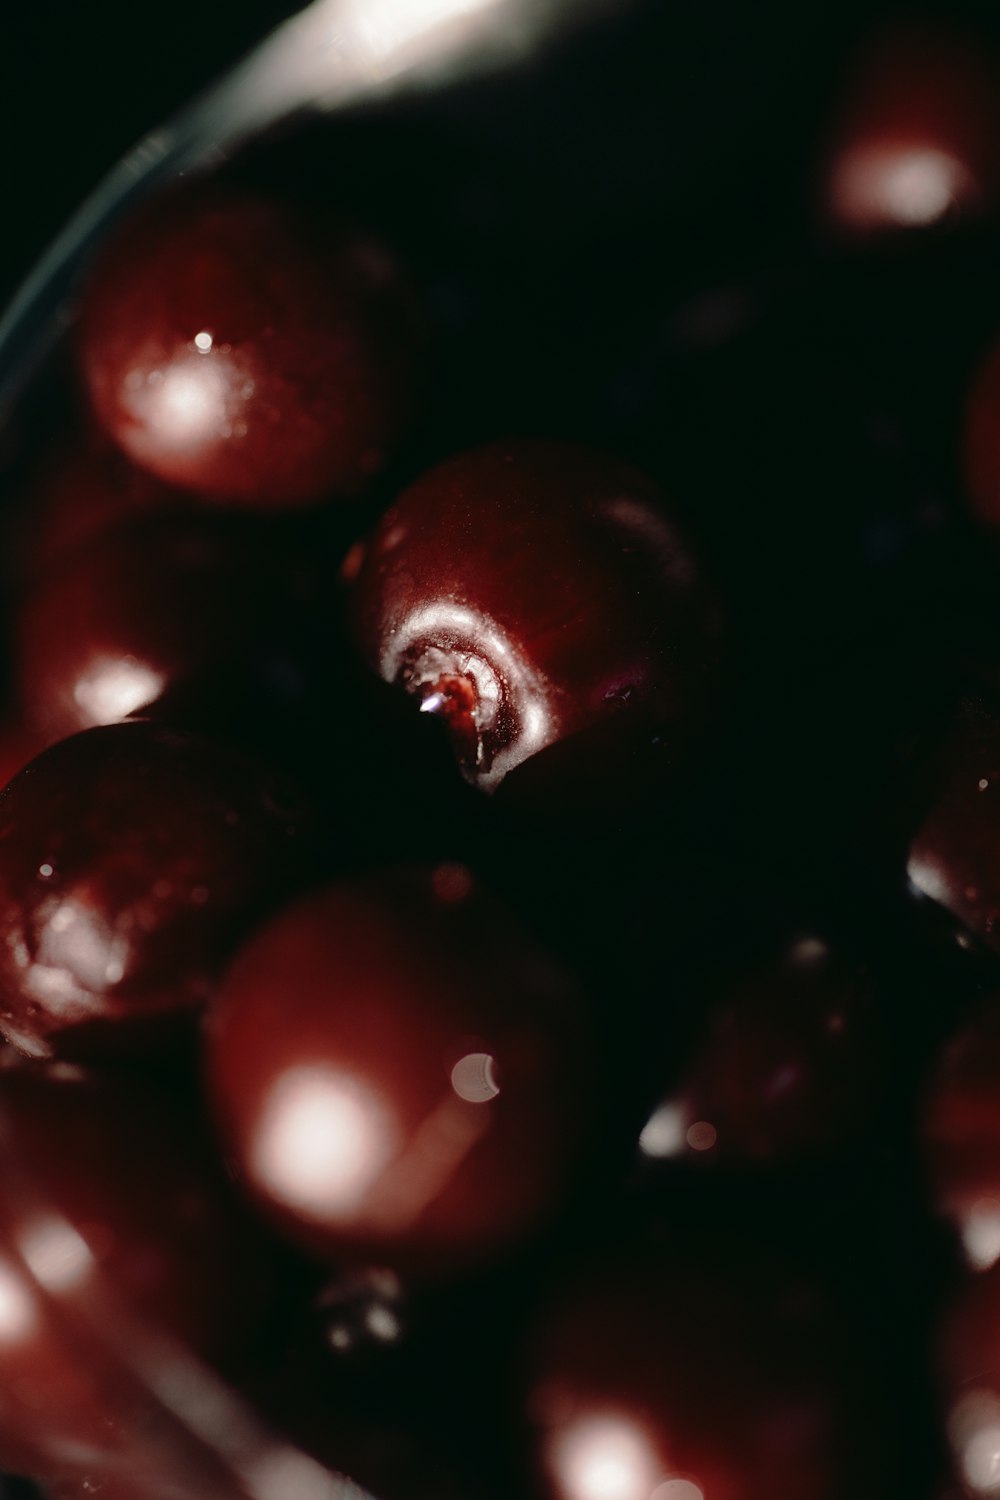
(397, 1070)
(532, 592)
(787, 1066)
(142, 611)
(236, 346)
(657, 1375)
(961, 1134)
(131, 860)
(112, 1208)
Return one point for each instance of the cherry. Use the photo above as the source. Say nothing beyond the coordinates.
(961, 1135)
(786, 1068)
(658, 1376)
(398, 1071)
(111, 1207)
(916, 142)
(968, 1369)
(142, 611)
(534, 593)
(132, 858)
(954, 857)
(236, 346)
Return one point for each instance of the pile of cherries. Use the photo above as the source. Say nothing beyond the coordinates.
(500, 852)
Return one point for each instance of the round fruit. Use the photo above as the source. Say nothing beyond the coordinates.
(235, 346)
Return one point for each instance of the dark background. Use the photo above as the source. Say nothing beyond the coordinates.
(748, 86)
(80, 80)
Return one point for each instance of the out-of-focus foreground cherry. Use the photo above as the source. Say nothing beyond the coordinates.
(237, 346)
(110, 1196)
(397, 1070)
(918, 138)
(657, 1377)
(961, 1135)
(142, 612)
(132, 859)
(531, 593)
(968, 1368)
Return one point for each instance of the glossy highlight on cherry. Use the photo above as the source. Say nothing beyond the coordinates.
(465, 598)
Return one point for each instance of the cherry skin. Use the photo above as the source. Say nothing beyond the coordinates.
(132, 859)
(534, 593)
(144, 610)
(968, 1372)
(916, 142)
(961, 1135)
(234, 346)
(954, 857)
(111, 1210)
(655, 1377)
(786, 1069)
(398, 1072)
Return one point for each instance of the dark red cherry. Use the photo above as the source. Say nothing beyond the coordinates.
(918, 139)
(132, 859)
(111, 1210)
(137, 613)
(787, 1067)
(235, 346)
(398, 1070)
(954, 857)
(961, 1135)
(657, 1377)
(968, 1370)
(531, 593)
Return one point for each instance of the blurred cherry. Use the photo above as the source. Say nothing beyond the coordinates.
(968, 1369)
(245, 349)
(954, 856)
(398, 1071)
(112, 1209)
(136, 614)
(917, 139)
(132, 859)
(787, 1067)
(659, 1376)
(535, 594)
